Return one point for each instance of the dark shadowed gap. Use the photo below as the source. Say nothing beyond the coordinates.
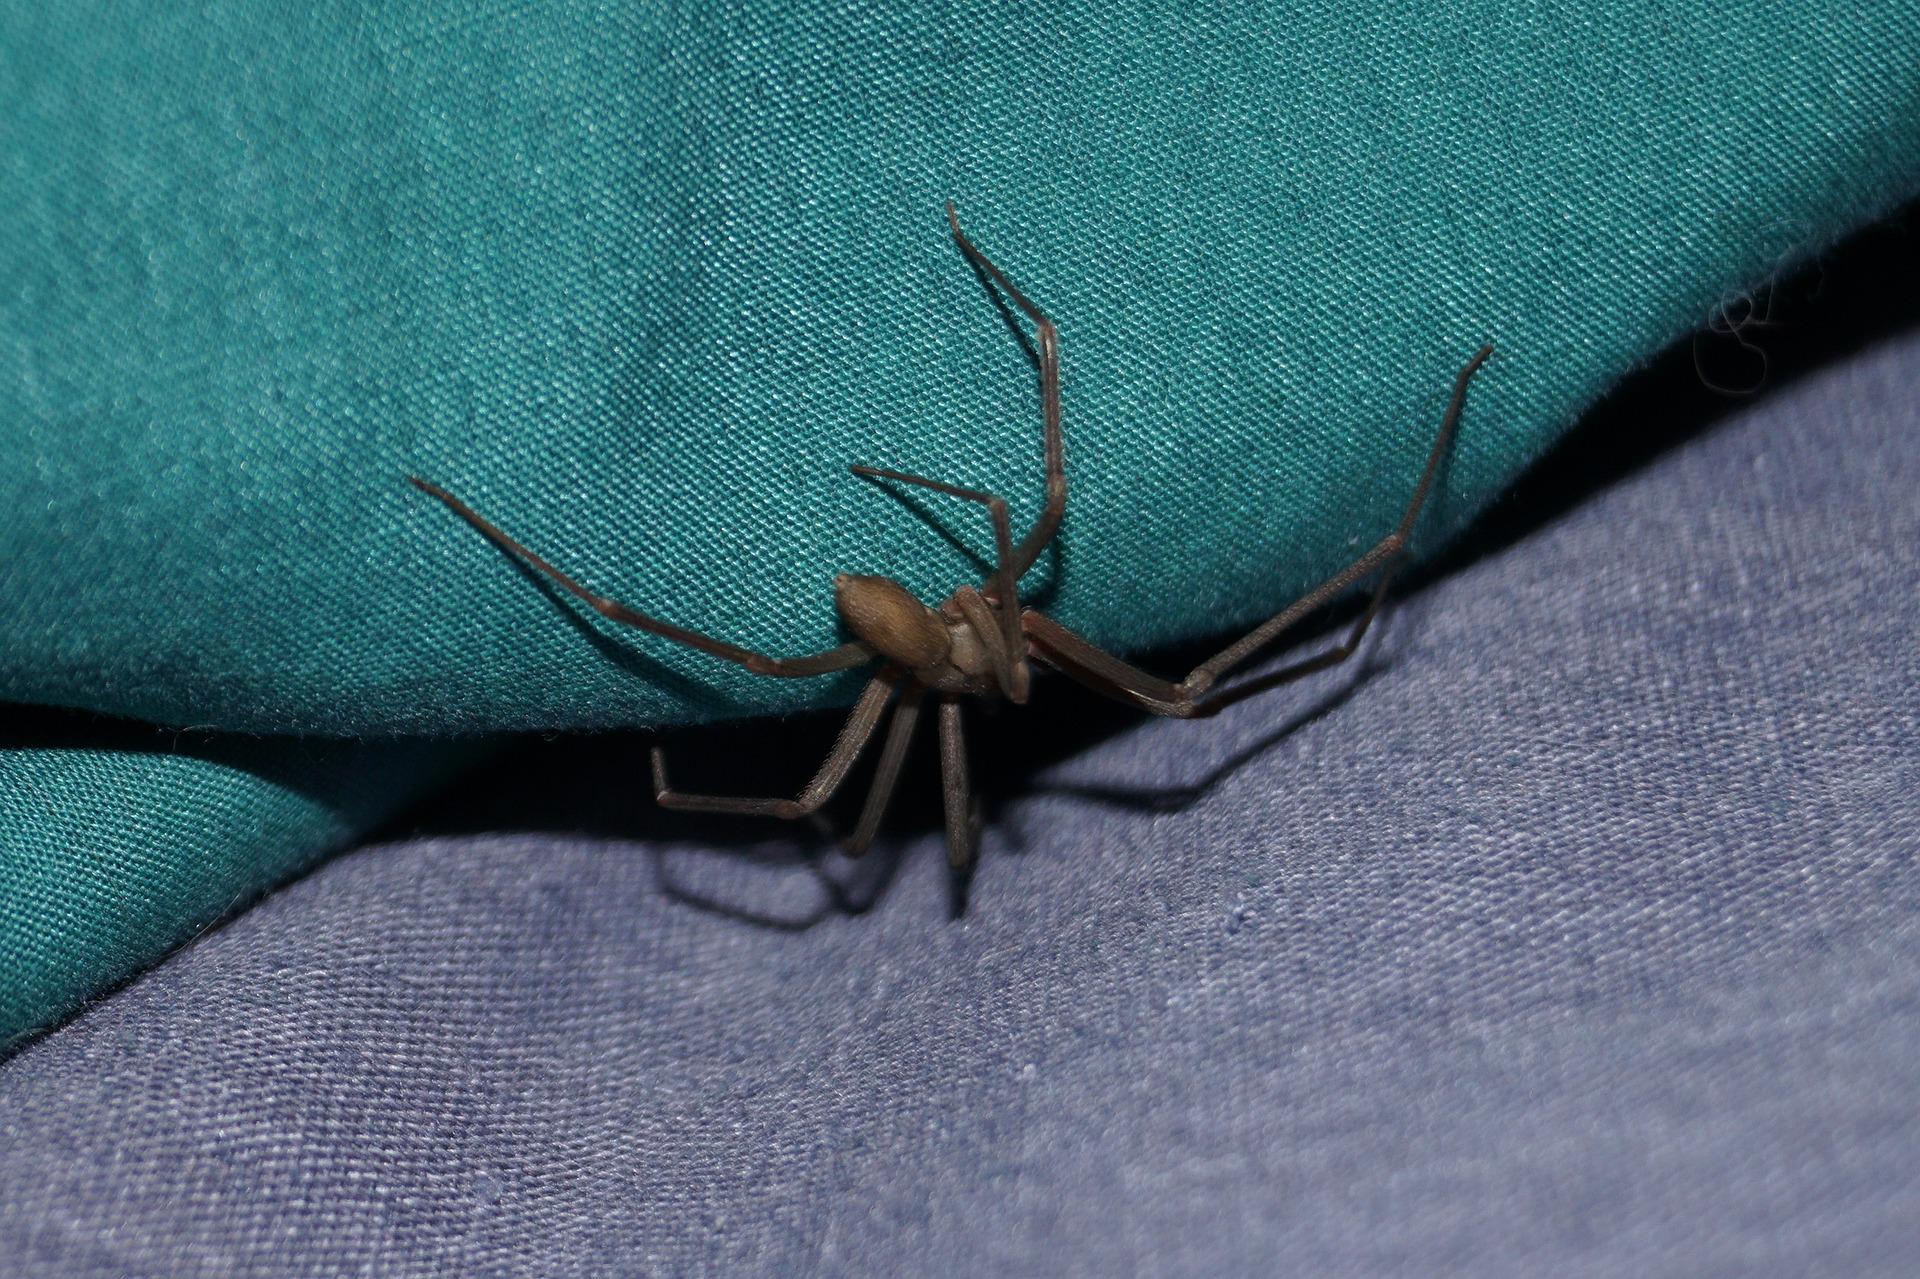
(324, 769)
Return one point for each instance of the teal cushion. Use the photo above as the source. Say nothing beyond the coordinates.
(639, 281)
(115, 850)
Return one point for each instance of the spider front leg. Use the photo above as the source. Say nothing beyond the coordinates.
(1079, 658)
(834, 659)
(854, 736)
(1047, 349)
(887, 774)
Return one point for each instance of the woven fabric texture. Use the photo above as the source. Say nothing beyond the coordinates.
(1579, 936)
(640, 279)
(114, 852)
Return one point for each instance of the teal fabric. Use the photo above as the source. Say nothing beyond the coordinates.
(115, 851)
(639, 281)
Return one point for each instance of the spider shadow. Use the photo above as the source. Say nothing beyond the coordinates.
(1008, 754)
(1182, 796)
(596, 785)
(1319, 694)
(847, 890)
(1052, 564)
(1015, 755)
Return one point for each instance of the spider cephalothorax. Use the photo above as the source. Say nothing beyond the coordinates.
(978, 642)
(961, 647)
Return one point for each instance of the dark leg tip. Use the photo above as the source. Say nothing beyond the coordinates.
(959, 890)
(661, 790)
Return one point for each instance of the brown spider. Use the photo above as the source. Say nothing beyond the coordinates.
(977, 642)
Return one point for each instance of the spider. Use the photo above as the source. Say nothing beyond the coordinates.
(979, 641)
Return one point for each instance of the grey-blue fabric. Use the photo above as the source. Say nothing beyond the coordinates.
(1579, 936)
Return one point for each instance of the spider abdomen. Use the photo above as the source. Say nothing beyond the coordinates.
(888, 617)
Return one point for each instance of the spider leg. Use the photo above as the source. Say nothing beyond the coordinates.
(854, 736)
(834, 659)
(887, 774)
(1079, 657)
(1006, 656)
(955, 790)
(1047, 347)
(1094, 668)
